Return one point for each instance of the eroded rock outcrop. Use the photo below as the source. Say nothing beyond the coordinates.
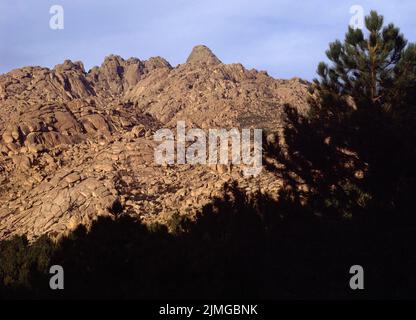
(75, 145)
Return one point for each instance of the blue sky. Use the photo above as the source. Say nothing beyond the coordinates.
(286, 38)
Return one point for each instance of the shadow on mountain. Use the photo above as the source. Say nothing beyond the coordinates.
(359, 164)
(360, 177)
(238, 248)
(349, 176)
(338, 208)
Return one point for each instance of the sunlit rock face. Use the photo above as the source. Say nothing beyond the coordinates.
(74, 144)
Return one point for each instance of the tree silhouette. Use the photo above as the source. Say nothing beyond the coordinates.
(364, 100)
(299, 246)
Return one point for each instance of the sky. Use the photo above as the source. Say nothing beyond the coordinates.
(286, 38)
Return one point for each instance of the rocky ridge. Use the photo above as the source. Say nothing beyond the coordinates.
(76, 145)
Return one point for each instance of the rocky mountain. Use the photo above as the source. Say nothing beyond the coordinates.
(75, 145)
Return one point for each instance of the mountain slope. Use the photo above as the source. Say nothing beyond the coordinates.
(75, 145)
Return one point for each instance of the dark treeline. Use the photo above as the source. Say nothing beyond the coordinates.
(355, 151)
(239, 248)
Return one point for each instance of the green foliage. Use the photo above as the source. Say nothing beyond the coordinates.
(239, 247)
(365, 101)
(242, 247)
(178, 223)
(349, 199)
(22, 265)
(372, 69)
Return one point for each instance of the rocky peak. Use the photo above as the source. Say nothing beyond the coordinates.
(68, 65)
(157, 62)
(112, 59)
(202, 54)
(73, 144)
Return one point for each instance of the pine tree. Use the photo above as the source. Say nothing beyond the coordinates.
(366, 99)
(375, 71)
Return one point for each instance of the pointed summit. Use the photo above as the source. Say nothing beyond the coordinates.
(202, 54)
